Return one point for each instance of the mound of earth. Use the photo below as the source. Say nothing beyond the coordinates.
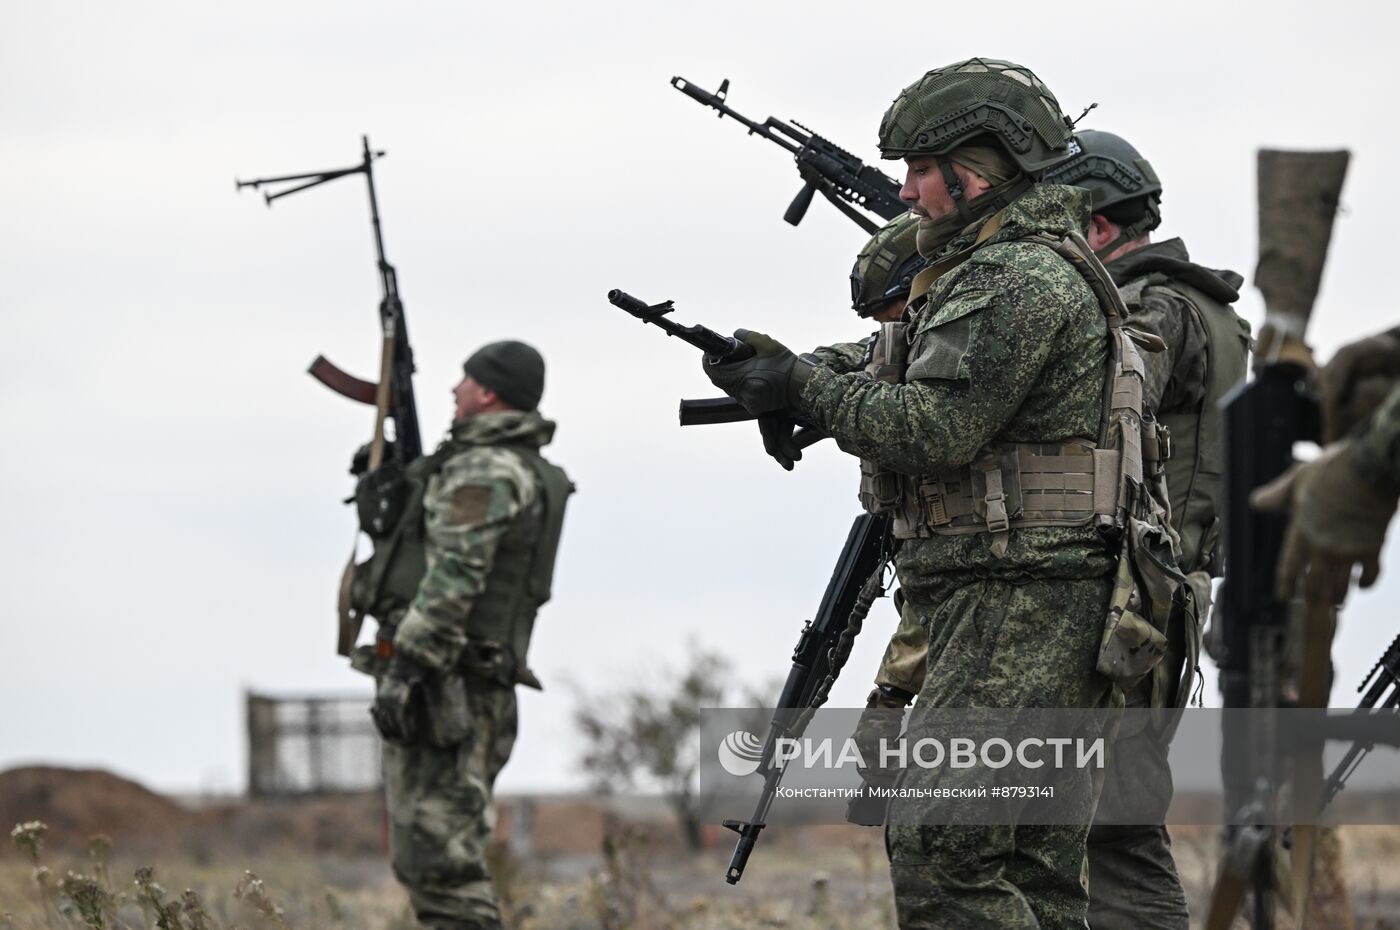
(78, 803)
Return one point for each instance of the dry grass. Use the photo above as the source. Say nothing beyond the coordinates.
(832, 880)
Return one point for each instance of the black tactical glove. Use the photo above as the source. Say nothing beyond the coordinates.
(768, 380)
(398, 709)
(777, 429)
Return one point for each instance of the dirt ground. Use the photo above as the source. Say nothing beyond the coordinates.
(320, 864)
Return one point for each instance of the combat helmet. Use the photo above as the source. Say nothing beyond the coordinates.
(885, 268)
(1125, 188)
(953, 105)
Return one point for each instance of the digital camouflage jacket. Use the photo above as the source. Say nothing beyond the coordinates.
(1010, 346)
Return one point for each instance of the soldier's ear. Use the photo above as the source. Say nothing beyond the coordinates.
(1101, 231)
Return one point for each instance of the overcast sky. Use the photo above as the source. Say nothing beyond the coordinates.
(172, 532)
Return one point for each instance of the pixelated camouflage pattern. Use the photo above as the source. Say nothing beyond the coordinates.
(470, 505)
(999, 643)
(1376, 449)
(1132, 867)
(1010, 346)
(441, 816)
(1175, 381)
(842, 357)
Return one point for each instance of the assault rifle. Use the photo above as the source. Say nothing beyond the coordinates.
(392, 395)
(1384, 676)
(1299, 193)
(717, 348)
(821, 651)
(850, 184)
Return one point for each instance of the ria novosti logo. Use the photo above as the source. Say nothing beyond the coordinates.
(740, 753)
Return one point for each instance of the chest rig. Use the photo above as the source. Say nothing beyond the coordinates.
(1114, 482)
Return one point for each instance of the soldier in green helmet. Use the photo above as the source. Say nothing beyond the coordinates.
(471, 562)
(1343, 501)
(883, 273)
(1133, 878)
(983, 440)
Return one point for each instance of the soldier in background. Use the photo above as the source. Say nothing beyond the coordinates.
(1341, 503)
(880, 281)
(1008, 340)
(484, 517)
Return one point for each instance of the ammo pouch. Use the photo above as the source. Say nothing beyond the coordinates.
(1010, 486)
(885, 360)
(1147, 591)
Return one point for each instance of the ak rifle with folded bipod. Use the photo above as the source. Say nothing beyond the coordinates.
(717, 348)
(392, 395)
(852, 186)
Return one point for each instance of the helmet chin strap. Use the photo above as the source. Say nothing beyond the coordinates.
(1150, 220)
(956, 191)
(984, 204)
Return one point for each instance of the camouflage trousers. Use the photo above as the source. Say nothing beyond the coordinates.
(994, 643)
(1133, 882)
(441, 816)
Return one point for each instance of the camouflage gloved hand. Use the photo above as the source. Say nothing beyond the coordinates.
(1337, 520)
(398, 700)
(768, 380)
(880, 725)
(1357, 380)
(777, 428)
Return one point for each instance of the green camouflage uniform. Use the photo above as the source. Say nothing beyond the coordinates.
(1133, 878)
(843, 357)
(1011, 346)
(1133, 881)
(440, 805)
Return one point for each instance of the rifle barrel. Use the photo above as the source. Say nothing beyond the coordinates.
(717, 347)
(764, 129)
